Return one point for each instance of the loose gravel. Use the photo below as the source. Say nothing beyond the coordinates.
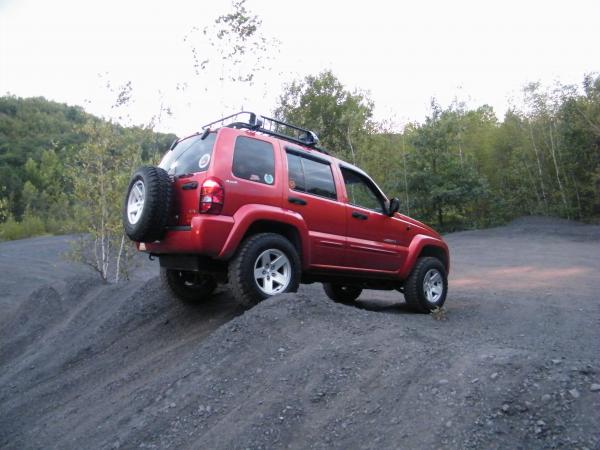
(513, 362)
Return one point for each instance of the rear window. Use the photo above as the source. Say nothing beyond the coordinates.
(254, 160)
(189, 155)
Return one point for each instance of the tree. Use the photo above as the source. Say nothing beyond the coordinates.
(444, 183)
(4, 210)
(579, 129)
(321, 103)
(231, 51)
(37, 140)
(100, 171)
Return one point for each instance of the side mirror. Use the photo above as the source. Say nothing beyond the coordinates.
(394, 206)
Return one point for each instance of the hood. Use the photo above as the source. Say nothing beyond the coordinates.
(426, 228)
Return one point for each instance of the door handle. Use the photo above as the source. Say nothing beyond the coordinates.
(190, 185)
(297, 201)
(359, 216)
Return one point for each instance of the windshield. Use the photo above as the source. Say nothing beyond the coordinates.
(190, 155)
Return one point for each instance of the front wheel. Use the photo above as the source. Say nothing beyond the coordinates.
(265, 265)
(427, 285)
(190, 287)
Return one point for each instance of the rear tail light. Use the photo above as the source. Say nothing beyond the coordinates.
(212, 196)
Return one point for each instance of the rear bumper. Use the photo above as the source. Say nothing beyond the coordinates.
(206, 236)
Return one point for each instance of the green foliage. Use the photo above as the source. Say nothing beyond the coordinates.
(341, 118)
(100, 172)
(443, 179)
(3, 204)
(463, 168)
(37, 139)
(63, 170)
(29, 226)
(27, 127)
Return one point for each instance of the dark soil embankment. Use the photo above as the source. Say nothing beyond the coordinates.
(514, 365)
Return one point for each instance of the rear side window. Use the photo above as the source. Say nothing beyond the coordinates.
(189, 155)
(254, 160)
(310, 176)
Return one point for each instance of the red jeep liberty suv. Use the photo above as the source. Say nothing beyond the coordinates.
(254, 202)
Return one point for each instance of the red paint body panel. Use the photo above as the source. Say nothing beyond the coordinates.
(187, 200)
(238, 191)
(249, 214)
(417, 244)
(207, 236)
(380, 244)
(326, 224)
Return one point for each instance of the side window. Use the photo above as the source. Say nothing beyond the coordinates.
(254, 160)
(361, 191)
(319, 179)
(312, 177)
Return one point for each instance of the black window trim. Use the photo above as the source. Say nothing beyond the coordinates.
(301, 154)
(364, 176)
(304, 154)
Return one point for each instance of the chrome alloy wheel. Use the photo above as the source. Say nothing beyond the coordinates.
(135, 202)
(433, 285)
(272, 271)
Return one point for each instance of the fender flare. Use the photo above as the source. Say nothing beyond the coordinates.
(249, 214)
(419, 242)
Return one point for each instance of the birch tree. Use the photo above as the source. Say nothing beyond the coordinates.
(100, 172)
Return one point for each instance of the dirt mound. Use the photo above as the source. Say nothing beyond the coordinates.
(514, 365)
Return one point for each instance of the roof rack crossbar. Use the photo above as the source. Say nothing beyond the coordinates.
(270, 126)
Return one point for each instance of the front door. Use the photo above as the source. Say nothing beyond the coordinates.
(375, 241)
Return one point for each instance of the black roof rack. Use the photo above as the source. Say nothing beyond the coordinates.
(270, 126)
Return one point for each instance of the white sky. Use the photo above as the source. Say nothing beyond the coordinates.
(403, 53)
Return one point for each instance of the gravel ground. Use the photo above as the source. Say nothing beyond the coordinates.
(513, 363)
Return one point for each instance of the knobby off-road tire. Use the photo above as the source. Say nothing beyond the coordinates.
(266, 264)
(147, 204)
(427, 285)
(342, 294)
(189, 287)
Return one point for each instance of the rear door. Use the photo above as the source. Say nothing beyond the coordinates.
(375, 240)
(250, 172)
(188, 163)
(311, 191)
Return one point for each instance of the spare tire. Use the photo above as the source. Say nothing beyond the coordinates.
(147, 204)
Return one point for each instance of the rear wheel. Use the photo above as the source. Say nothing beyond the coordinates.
(342, 294)
(427, 285)
(265, 265)
(188, 286)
